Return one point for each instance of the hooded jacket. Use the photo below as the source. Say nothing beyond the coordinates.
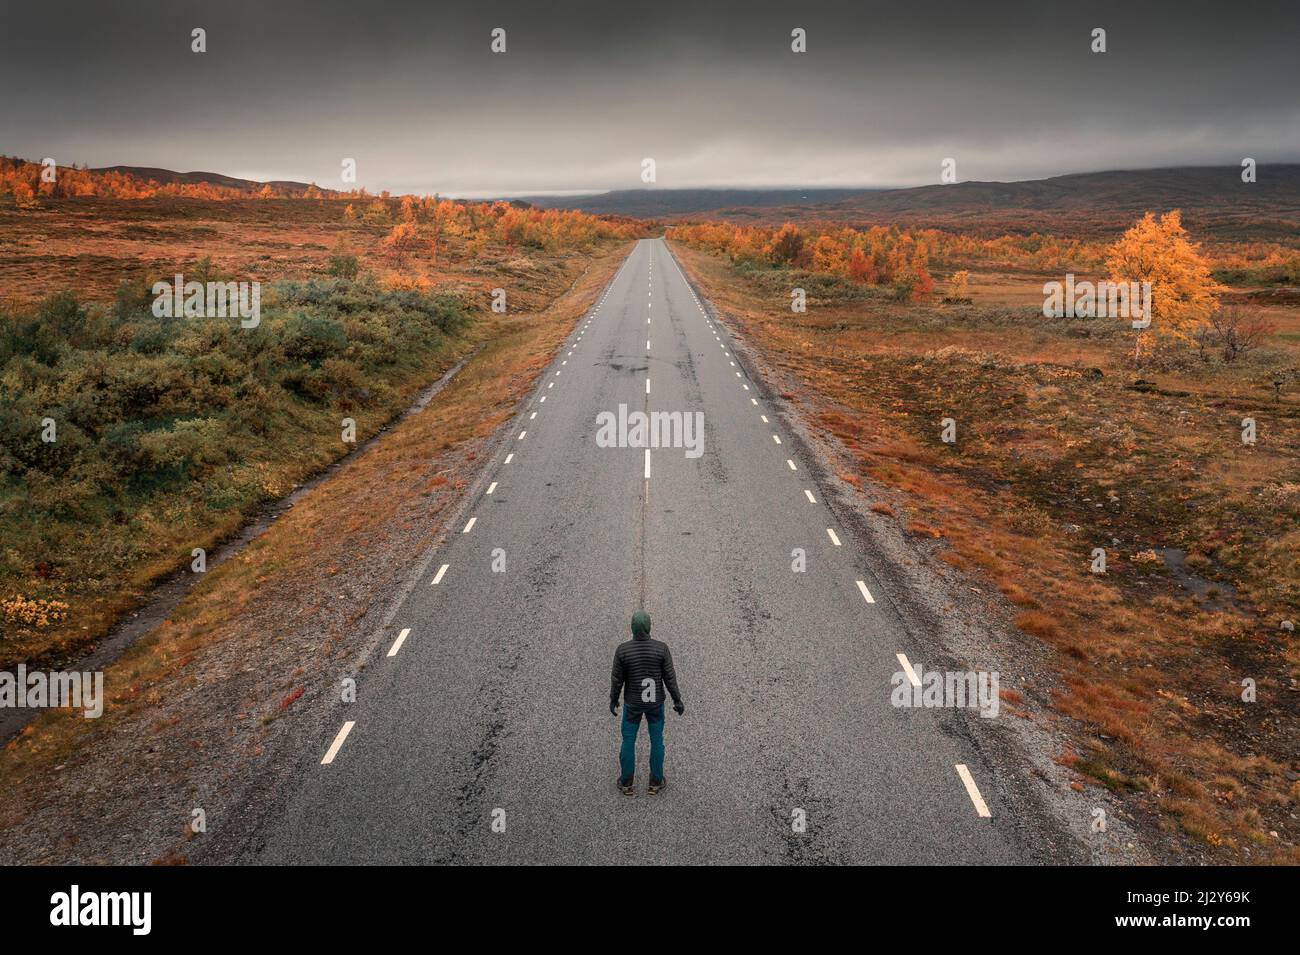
(639, 660)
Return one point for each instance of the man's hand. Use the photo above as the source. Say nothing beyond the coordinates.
(680, 708)
(613, 707)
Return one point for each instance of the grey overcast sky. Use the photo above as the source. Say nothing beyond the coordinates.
(711, 91)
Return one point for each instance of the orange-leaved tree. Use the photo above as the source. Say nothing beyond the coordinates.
(786, 246)
(828, 254)
(401, 242)
(959, 285)
(861, 268)
(920, 267)
(1158, 251)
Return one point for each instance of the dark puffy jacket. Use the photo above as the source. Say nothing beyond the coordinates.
(638, 660)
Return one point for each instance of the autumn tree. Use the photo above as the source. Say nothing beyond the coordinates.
(24, 195)
(959, 286)
(922, 283)
(861, 268)
(1158, 251)
(402, 241)
(376, 213)
(828, 254)
(786, 245)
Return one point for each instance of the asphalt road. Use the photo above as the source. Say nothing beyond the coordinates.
(494, 705)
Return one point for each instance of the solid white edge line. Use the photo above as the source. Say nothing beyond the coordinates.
(972, 790)
(338, 742)
(397, 644)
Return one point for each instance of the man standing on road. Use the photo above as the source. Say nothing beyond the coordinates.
(643, 668)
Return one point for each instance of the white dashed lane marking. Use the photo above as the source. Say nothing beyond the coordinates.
(470, 526)
(834, 540)
(972, 790)
(438, 576)
(912, 678)
(397, 644)
(338, 742)
(866, 594)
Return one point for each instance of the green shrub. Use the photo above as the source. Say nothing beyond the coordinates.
(343, 265)
(180, 417)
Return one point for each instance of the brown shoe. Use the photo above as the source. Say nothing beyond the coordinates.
(655, 786)
(627, 786)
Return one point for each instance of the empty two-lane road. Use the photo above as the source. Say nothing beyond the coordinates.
(481, 731)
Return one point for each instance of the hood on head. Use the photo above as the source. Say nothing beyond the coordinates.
(640, 625)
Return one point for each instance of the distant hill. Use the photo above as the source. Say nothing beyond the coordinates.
(167, 176)
(665, 203)
(1214, 200)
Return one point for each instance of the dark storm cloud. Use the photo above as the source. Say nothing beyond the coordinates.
(710, 91)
